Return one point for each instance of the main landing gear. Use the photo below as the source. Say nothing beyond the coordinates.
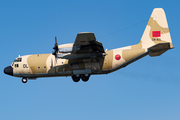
(84, 77)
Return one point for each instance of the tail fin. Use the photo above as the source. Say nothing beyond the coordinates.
(156, 37)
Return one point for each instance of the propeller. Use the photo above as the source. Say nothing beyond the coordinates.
(56, 49)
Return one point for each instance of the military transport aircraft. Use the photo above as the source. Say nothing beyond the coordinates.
(86, 56)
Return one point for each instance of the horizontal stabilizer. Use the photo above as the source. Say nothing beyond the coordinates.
(159, 49)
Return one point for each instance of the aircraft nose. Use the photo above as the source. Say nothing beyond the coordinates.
(8, 70)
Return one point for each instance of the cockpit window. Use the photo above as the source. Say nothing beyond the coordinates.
(18, 60)
(16, 65)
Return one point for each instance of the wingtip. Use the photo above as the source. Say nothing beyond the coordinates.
(85, 32)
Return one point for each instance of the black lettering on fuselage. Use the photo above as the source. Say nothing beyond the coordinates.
(156, 39)
(25, 66)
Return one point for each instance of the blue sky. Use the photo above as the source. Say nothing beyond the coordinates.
(148, 89)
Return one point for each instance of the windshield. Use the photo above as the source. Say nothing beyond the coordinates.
(18, 60)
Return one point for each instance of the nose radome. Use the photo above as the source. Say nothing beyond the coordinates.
(8, 70)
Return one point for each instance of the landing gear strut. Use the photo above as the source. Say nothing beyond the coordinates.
(24, 80)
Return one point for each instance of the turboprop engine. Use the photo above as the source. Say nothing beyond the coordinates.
(67, 48)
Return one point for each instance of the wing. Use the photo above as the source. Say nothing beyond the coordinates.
(87, 43)
(85, 46)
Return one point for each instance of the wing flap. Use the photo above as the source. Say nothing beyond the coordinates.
(80, 56)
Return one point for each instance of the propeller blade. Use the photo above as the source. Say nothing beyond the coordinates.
(55, 39)
(56, 45)
(56, 49)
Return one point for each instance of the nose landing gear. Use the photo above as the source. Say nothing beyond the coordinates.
(24, 80)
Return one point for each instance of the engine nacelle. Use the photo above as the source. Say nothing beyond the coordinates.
(68, 48)
(65, 50)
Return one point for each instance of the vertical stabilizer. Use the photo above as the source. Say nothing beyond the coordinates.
(157, 30)
(156, 36)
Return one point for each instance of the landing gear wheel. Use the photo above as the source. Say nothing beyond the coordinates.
(24, 80)
(76, 78)
(85, 77)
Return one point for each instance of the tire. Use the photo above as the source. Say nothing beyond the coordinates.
(85, 78)
(24, 80)
(76, 78)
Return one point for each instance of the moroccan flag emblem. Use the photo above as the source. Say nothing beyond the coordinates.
(156, 34)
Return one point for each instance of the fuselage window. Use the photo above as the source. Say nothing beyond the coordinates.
(18, 60)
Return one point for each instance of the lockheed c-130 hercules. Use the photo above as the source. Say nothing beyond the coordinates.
(86, 56)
